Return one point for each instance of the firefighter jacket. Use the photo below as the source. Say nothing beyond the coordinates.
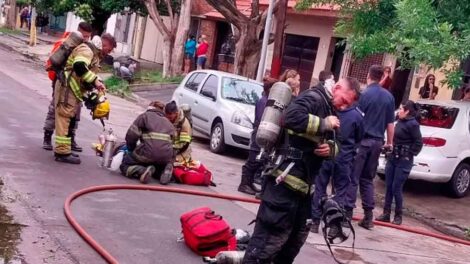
(305, 128)
(155, 133)
(80, 69)
(183, 138)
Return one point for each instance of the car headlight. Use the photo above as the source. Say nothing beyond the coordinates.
(242, 120)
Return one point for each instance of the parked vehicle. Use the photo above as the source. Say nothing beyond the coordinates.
(445, 158)
(222, 106)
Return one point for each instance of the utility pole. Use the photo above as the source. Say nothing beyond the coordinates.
(264, 47)
(279, 39)
(33, 31)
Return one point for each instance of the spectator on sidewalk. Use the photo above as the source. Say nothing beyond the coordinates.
(292, 78)
(24, 16)
(189, 53)
(386, 81)
(429, 90)
(408, 143)
(201, 52)
(378, 106)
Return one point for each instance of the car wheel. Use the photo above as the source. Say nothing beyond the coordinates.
(217, 144)
(460, 182)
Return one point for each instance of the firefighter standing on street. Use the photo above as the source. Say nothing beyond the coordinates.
(281, 223)
(79, 77)
(49, 124)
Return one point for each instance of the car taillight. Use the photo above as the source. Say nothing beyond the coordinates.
(434, 142)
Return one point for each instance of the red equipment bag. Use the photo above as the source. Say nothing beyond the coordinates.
(193, 176)
(206, 233)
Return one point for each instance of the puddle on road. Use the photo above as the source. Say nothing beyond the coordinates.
(10, 233)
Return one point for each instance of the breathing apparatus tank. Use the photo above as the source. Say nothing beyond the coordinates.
(226, 257)
(59, 57)
(269, 128)
(110, 141)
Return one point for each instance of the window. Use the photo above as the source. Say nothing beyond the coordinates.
(437, 116)
(194, 81)
(210, 87)
(241, 91)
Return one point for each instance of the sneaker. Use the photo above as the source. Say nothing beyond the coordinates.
(167, 174)
(145, 176)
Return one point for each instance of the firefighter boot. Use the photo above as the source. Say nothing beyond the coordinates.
(397, 219)
(385, 217)
(47, 144)
(145, 176)
(348, 213)
(367, 221)
(315, 226)
(68, 158)
(167, 174)
(75, 146)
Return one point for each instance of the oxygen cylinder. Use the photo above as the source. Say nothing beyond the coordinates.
(269, 128)
(108, 149)
(227, 257)
(59, 57)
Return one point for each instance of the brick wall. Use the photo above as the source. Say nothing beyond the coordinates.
(360, 68)
(200, 7)
(208, 28)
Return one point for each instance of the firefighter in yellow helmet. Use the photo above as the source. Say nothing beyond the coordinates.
(79, 77)
(183, 137)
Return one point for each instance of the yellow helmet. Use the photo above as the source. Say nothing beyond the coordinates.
(102, 109)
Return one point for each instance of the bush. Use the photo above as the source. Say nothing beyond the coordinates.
(117, 86)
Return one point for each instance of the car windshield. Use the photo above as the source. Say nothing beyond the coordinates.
(241, 91)
(437, 115)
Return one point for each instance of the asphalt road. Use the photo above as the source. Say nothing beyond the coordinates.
(135, 226)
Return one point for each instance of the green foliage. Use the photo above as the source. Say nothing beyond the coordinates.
(117, 86)
(156, 77)
(430, 32)
(22, 3)
(9, 31)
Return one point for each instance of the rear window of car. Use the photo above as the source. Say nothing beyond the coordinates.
(437, 116)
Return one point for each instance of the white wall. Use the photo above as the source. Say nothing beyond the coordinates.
(153, 42)
(72, 22)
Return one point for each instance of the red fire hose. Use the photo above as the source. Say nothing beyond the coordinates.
(110, 259)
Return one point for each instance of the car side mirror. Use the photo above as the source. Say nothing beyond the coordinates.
(208, 94)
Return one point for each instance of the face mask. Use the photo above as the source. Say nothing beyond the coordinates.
(329, 85)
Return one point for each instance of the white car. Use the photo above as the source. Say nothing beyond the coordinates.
(445, 157)
(222, 106)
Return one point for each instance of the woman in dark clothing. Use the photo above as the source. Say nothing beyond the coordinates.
(407, 143)
(429, 90)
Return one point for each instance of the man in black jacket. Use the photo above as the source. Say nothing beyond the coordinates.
(281, 223)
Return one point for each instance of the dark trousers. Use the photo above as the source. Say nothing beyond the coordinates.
(396, 174)
(281, 225)
(364, 171)
(252, 167)
(132, 168)
(341, 174)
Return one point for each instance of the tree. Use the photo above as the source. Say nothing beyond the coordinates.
(174, 32)
(430, 32)
(247, 36)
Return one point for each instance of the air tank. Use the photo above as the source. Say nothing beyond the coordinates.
(59, 57)
(269, 128)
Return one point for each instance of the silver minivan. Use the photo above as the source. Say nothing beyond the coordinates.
(222, 105)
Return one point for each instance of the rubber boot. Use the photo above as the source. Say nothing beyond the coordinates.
(147, 174)
(75, 146)
(69, 158)
(47, 143)
(367, 221)
(245, 188)
(349, 214)
(397, 219)
(167, 174)
(315, 226)
(385, 217)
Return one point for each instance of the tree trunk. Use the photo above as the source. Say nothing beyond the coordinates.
(247, 52)
(181, 35)
(99, 20)
(167, 56)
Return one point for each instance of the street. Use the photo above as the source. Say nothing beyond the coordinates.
(136, 226)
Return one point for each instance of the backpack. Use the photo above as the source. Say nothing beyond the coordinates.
(207, 233)
(193, 176)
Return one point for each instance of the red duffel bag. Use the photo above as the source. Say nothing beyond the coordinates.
(207, 233)
(193, 176)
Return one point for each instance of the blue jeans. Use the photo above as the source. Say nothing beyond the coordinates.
(396, 174)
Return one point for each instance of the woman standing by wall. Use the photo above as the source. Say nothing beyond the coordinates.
(429, 90)
(407, 144)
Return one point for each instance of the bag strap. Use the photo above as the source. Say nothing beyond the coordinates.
(328, 244)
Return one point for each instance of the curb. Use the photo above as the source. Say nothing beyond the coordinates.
(29, 56)
(448, 229)
(142, 87)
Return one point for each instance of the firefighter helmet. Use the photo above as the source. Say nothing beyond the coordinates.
(102, 110)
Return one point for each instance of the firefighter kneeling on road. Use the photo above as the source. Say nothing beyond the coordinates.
(183, 137)
(79, 77)
(281, 223)
(154, 155)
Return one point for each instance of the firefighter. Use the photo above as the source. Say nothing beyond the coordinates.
(49, 123)
(79, 77)
(154, 155)
(183, 136)
(281, 223)
(344, 97)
